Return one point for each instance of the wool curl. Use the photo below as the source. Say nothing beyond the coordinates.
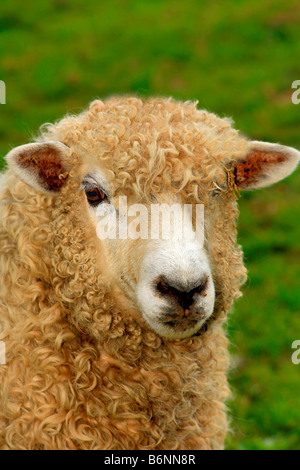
(80, 373)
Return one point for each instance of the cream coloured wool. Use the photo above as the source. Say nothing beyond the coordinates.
(119, 344)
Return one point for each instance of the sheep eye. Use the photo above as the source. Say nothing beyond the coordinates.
(95, 196)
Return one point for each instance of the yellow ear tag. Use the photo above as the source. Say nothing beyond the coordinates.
(232, 184)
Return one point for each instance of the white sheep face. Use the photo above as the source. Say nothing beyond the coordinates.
(161, 266)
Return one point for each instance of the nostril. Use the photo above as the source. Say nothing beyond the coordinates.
(163, 287)
(201, 288)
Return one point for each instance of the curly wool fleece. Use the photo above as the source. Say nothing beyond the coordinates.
(83, 369)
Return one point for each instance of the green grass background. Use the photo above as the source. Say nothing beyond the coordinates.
(238, 58)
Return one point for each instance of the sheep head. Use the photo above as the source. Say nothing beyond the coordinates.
(156, 152)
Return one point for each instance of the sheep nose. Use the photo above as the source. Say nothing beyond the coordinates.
(185, 294)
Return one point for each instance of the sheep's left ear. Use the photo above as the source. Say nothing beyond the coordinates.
(41, 165)
(264, 165)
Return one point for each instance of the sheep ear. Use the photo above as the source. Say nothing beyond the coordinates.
(40, 165)
(264, 165)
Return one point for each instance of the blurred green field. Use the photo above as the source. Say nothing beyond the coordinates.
(238, 58)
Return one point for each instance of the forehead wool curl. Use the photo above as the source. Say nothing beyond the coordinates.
(153, 145)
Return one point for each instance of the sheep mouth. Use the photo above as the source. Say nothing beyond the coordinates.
(185, 319)
(181, 325)
(173, 326)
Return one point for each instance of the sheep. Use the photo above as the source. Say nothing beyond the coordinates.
(120, 343)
